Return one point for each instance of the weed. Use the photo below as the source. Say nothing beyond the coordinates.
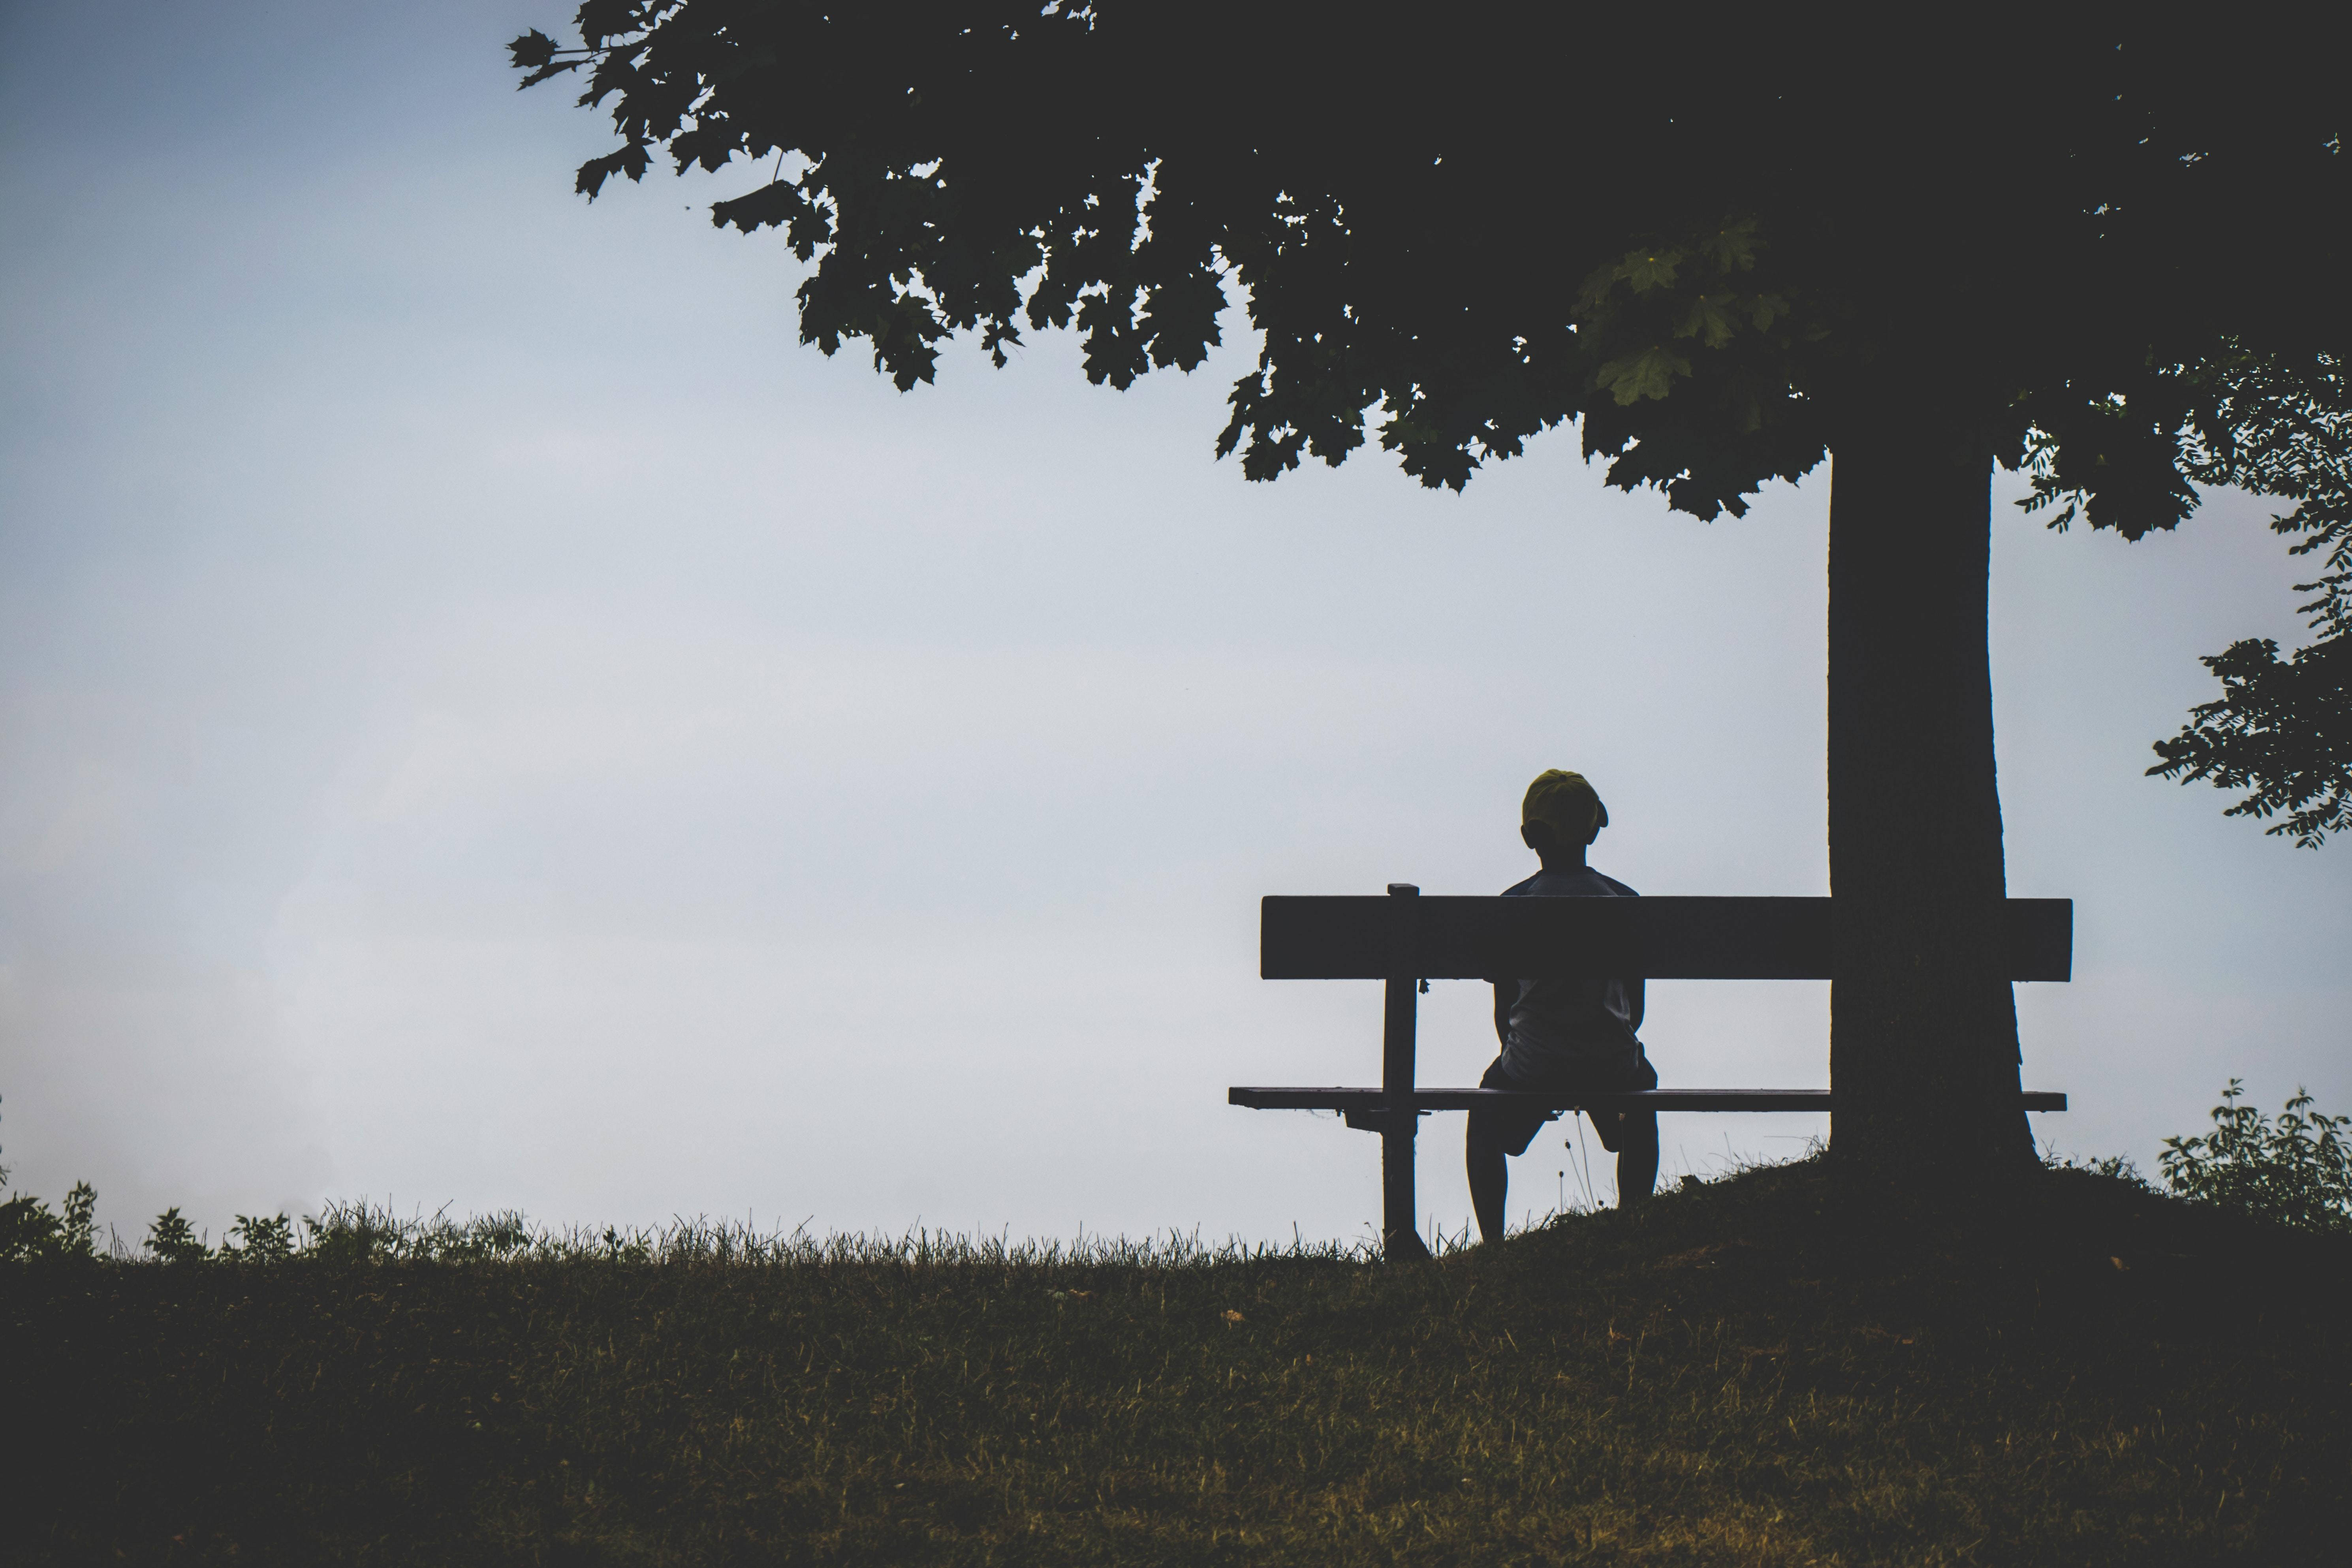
(252, 1240)
(29, 1232)
(2295, 1171)
(2114, 1167)
(173, 1240)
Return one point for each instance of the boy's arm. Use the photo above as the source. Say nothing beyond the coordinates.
(1507, 992)
(1637, 997)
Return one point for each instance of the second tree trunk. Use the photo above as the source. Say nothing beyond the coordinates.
(1923, 1034)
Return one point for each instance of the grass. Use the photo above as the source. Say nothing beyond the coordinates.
(1768, 1369)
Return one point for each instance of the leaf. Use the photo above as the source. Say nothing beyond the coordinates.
(535, 52)
(1705, 321)
(1594, 292)
(630, 160)
(532, 51)
(776, 204)
(1732, 247)
(1650, 268)
(1650, 373)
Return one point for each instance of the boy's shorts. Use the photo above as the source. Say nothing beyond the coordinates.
(1515, 1128)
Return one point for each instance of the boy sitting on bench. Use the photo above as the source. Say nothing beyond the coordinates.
(1573, 1037)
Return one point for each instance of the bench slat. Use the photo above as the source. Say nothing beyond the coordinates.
(1351, 938)
(1359, 1100)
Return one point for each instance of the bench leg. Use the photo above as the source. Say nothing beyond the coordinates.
(1399, 1236)
(1399, 1231)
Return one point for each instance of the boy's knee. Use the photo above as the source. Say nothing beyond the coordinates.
(1608, 1126)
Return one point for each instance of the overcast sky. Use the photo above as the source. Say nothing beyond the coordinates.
(488, 719)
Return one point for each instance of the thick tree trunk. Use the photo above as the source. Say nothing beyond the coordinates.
(1923, 1030)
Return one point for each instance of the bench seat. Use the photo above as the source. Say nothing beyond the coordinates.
(1362, 1100)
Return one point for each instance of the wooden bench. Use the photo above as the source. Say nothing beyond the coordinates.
(1407, 941)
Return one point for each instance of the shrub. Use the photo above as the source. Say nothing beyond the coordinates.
(28, 1230)
(77, 1228)
(253, 1241)
(174, 1240)
(2295, 1171)
(2114, 1167)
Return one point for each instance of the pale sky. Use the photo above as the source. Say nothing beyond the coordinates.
(488, 719)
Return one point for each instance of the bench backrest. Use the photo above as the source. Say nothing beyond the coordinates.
(1375, 938)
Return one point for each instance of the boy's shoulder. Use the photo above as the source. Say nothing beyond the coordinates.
(1585, 883)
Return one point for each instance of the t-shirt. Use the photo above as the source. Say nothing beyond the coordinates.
(1572, 1027)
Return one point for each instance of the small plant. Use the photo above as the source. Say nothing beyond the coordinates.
(2295, 1171)
(28, 1230)
(2114, 1167)
(77, 1229)
(253, 1241)
(174, 1240)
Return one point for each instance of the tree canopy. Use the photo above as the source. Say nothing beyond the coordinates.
(2085, 242)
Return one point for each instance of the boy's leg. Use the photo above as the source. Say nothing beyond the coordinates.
(1637, 1143)
(1490, 1176)
(1493, 1136)
(1637, 1158)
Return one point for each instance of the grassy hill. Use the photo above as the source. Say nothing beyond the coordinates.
(1759, 1370)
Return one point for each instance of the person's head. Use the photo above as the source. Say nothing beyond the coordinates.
(1560, 815)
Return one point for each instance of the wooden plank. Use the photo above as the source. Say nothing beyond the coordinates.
(1335, 1099)
(1399, 1230)
(1349, 938)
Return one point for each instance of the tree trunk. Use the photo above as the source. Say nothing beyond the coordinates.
(1923, 1028)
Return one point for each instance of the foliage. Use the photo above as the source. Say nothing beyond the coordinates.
(173, 1240)
(78, 1228)
(2281, 729)
(1478, 223)
(264, 1240)
(27, 1228)
(1762, 1370)
(359, 1233)
(2110, 1167)
(2296, 1171)
(29, 1232)
(989, 166)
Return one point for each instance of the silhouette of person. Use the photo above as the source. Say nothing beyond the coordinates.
(1573, 1036)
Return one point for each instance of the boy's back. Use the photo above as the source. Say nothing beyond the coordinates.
(1571, 1027)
